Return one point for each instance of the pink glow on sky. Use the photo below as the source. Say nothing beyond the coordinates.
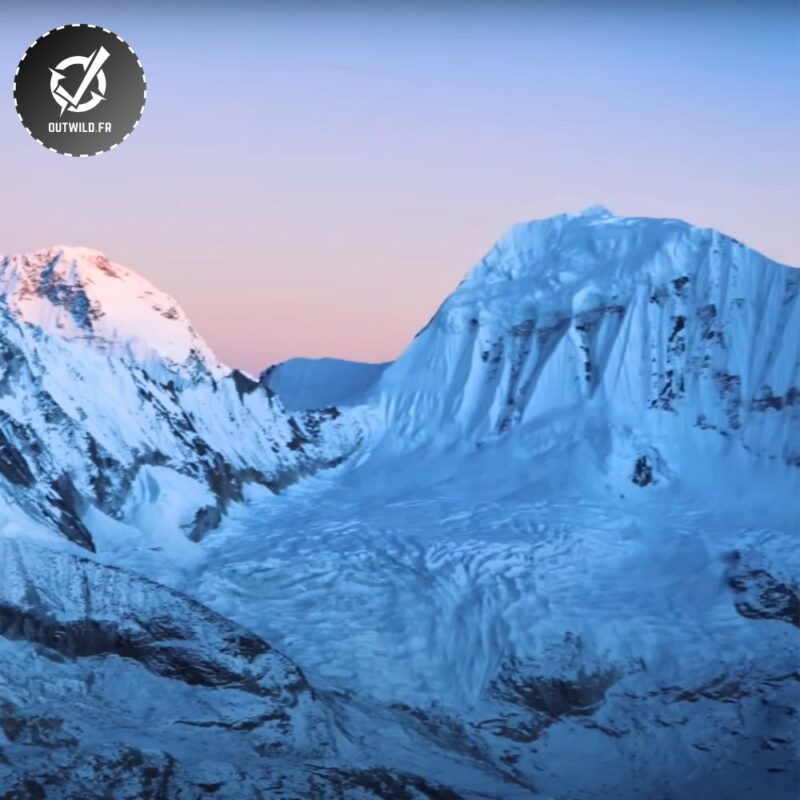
(349, 168)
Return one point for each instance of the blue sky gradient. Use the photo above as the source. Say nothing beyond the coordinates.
(313, 179)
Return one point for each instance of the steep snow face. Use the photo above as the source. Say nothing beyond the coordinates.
(80, 295)
(634, 324)
(102, 378)
(303, 383)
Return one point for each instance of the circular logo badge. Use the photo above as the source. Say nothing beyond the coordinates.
(79, 90)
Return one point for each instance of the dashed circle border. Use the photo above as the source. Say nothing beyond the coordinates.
(94, 27)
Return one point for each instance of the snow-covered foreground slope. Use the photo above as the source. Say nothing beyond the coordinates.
(551, 551)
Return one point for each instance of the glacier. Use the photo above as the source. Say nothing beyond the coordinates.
(550, 551)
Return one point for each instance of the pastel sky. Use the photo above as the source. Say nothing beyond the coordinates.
(313, 179)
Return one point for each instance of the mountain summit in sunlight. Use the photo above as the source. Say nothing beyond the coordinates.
(77, 293)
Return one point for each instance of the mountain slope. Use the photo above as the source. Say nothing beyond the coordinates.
(651, 326)
(80, 295)
(102, 379)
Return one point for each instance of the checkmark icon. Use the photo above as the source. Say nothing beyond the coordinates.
(93, 64)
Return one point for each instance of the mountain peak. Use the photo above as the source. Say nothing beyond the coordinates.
(75, 251)
(77, 293)
(594, 247)
(596, 211)
(655, 321)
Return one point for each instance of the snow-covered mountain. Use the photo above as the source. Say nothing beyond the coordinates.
(110, 399)
(79, 295)
(633, 325)
(550, 551)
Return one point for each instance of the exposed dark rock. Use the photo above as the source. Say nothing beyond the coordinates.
(516, 728)
(703, 423)
(680, 285)
(26, 789)
(13, 466)
(68, 501)
(672, 389)
(72, 298)
(223, 480)
(206, 519)
(554, 696)
(382, 783)
(524, 329)
(766, 400)
(87, 638)
(209, 788)
(678, 326)
(244, 384)
(299, 438)
(642, 472)
(167, 632)
(120, 772)
(730, 389)
(761, 596)
(314, 420)
(449, 733)
(104, 265)
(107, 466)
(280, 717)
(721, 690)
(659, 296)
(37, 731)
(164, 652)
(707, 316)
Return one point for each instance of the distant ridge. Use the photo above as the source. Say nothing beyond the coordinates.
(303, 383)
